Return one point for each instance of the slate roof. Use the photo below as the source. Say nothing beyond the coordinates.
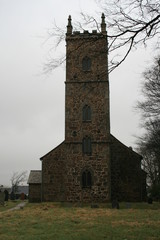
(35, 177)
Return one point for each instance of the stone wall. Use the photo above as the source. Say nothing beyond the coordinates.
(126, 173)
(34, 192)
(54, 174)
(87, 87)
(62, 174)
(63, 167)
(97, 164)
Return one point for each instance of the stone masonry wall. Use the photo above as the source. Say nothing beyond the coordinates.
(87, 87)
(63, 166)
(126, 173)
(34, 192)
(97, 163)
(54, 174)
(62, 173)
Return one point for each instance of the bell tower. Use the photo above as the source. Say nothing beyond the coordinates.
(87, 84)
(87, 120)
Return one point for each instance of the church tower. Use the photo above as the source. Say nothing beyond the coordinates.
(87, 120)
(90, 165)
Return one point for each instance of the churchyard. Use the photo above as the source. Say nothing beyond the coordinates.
(45, 221)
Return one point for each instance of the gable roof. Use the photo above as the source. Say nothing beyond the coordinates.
(52, 150)
(129, 149)
(35, 177)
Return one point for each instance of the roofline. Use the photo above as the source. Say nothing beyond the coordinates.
(35, 170)
(51, 150)
(126, 147)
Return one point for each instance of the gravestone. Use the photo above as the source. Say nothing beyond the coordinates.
(150, 200)
(22, 196)
(2, 198)
(115, 204)
(12, 196)
(128, 205)
(6, 195)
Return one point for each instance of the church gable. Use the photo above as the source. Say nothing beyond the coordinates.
(53, 152)
(53, 171)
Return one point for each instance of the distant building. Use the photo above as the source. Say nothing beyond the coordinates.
(22, 189)
(19, 190)
(90, 165)
(34, 182)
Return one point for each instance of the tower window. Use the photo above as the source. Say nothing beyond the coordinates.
(86, 146)
(86, 179)
(86, 64)
(86, 113)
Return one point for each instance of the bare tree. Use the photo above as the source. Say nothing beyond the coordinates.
(129, 24)
(149, 147)
(150, 105)
(17, 179)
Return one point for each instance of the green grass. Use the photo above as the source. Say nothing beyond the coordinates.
(65, 222)
(8, 205)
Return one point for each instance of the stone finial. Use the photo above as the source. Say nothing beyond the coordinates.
(69, 26)
(103, 24)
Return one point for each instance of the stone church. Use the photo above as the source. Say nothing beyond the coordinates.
(90, 165)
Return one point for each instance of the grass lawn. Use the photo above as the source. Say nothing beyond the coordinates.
(8, 205)
(54, 221)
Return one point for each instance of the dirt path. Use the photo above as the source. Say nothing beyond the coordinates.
(19, 206)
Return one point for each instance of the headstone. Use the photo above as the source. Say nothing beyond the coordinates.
(115, 204)
(2, 198)
(22, 196)
(6, 195)
(128, 205)
(12, 196)
(150, 200)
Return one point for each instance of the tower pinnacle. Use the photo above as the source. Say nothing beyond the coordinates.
(103, 24)
(69, 26)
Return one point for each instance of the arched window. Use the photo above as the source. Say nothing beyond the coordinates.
(86, 64)
(86, 113)
(86, 145)
(86, 179)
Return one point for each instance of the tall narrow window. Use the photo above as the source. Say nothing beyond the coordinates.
(86, 113)
(86, 179)
(86, 64)
(86, 146)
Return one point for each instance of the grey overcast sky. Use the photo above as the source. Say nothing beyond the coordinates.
(32, 104)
